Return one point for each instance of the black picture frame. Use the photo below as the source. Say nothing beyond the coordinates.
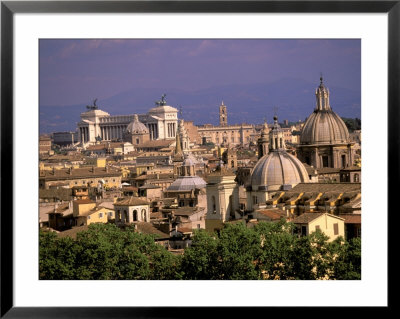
(9, 8)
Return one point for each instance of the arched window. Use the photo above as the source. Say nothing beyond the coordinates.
(144, 217)
(135, 215)
(356, 178)
(126, 216)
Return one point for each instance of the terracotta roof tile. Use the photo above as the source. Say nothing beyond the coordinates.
(273, 214)
(149, 228)
(131, 201)
(351, 218)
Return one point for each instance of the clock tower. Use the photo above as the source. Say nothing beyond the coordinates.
(223, 116)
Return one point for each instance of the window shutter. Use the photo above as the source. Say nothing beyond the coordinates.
(336, 229)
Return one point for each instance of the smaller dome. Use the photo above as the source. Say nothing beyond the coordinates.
(187, 183)
(278, 169)
(137, 127)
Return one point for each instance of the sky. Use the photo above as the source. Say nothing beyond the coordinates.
(74, 71)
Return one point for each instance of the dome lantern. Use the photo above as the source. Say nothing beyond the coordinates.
(322, 96)
(323, 126)
(276, 140)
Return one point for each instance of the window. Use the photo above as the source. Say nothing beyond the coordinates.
(255, 200)
(336, 229)
(214, 207)
(303, 230)
(325, 162)
(343, 160)
(100, 215)
(356, 178)
(88, 217)
(317, 227)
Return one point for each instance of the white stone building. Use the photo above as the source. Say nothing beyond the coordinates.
(161, 121)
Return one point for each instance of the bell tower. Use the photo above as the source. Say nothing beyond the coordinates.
(223, 115)
(262, 142)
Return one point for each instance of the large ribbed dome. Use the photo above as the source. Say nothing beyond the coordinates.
(324, 126)
(278, 169)
(137, 127)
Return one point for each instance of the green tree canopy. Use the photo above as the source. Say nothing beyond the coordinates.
(265, 251)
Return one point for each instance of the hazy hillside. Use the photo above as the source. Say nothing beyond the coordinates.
(293, 98)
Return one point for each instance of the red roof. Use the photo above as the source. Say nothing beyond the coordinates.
(351, 218)
(273, 214)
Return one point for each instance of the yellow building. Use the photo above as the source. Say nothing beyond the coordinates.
(96, 161)
(86, 176)
(330, 225)
(82, 206)
(95, 215)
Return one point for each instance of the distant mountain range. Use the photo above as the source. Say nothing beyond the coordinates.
(294, 100)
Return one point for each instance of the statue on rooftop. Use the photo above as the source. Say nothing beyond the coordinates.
(163, 101)
(94, 106)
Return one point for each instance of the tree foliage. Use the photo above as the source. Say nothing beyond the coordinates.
(266, 251)
(104, 252)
